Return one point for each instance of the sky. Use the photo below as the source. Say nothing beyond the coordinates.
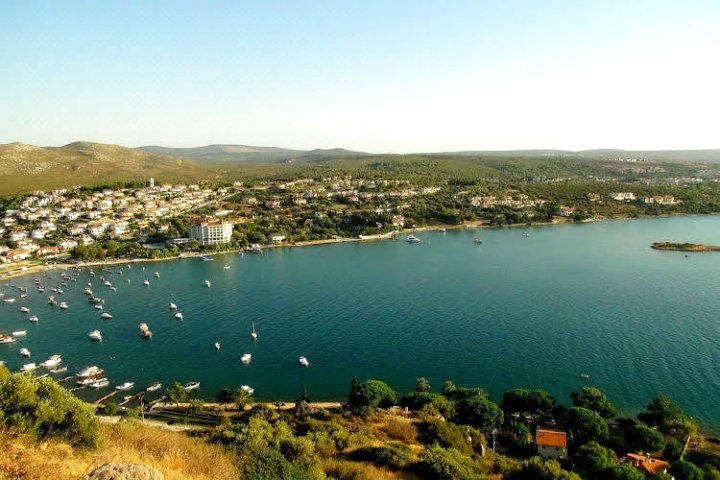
(377, 76)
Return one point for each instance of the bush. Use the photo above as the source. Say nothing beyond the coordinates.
(400, 429)
(673, 449)
(644, 439)
(595, 400)
(110, 408)
(449, 435)
(394, 456)
(450, 464)
(367, 396)
(480, 412)
(683, 470)
(43, 408)
(539, 469)
(623, 472)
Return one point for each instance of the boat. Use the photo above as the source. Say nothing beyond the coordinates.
(443, 230)
(192, 385)
(247, 389)
(478, 240)
(53, 361)
(107, 284)
(157, 274)
(7, 339)
(145, 331)
(207, 283)
(87, 291)
(173, 306)
(584, 375)
(59, 370)
(2, 362)
(217, 345)
(255, 248)
(226, 267)
(146, 282)
(246, 358)
(100, 383)
(253, 334)
(9, 300)
(63, 305)
(125, 386)
(90, 372)
(59, 290)
(19, 333)
(207, 259)
(28, 367)
(24, 352)
(412, 239)
(179, 315)
(98, 307)
(304, 361)
(106, 315)
(86, 382)
(41, 289)
(525, 234)
(154, 386)
(34, 318)
(24, 309)
(95, 335)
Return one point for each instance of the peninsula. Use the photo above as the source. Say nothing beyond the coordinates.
(685, 247)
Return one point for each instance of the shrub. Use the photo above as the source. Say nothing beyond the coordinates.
(450, 464)
(367, 396)
(644, 439)
(449, 435)
(480, 412)
(595, 400)
(683, 470)
(394, 456)
(43, 408)
(400, 429)
(539, 469)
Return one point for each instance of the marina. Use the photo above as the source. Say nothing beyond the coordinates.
(442, 308)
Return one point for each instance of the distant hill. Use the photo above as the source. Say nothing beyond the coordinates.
(228, 154)
(690, 156)
(27, 167)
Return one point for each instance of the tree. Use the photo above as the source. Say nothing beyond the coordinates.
(587, 424)
(673, 449)
(240, 397)
(448, 388)
(450, 464)
(523, 400)
(480, 412)
(223, 396)
(683, 470)
(538, 469)
(177, 394)
(644, 439)
(595, 400)
(592, 459)
(662, 412)
(422, 385)
(623, 472)
(371, 394)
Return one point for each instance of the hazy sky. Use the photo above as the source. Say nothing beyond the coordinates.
(380, 76)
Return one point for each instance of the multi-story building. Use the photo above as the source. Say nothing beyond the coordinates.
(211, 232)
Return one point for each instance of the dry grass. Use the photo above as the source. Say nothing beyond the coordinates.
(177, 456)
(402, 429)
(348, 470)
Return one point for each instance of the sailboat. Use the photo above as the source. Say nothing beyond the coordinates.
(217, 346)
(254, 333)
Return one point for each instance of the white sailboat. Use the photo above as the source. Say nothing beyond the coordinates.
(254, 334)
(246, 358)
(217, 346)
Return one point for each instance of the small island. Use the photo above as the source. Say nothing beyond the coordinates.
(685, 247)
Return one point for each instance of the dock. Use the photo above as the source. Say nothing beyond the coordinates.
(105, 398)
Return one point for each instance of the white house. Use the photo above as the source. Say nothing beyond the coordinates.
(551, 443)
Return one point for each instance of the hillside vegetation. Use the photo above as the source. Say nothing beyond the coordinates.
(26, 167)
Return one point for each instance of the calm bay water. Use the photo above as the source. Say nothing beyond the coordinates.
(513, 312)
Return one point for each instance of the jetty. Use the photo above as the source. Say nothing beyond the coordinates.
(685, 247)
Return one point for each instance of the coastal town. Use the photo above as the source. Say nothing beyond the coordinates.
(193, 217)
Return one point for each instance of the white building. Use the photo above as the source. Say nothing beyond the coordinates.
(211, 232)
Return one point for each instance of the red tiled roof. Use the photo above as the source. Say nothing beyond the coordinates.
(550, 438)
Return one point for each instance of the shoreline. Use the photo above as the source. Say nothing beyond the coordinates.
(21, 270)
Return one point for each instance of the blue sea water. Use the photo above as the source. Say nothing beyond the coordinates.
(516, 311)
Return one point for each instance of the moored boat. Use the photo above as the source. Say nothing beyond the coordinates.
(90, 372)
(146, 283)
(412, 239)
(217, 345)
(125, 386)
(34, 318)
(7, 339)
(172, 306)
(19, 333)
(154, 386)
(179, 315)
(28, 367)
(24, 309)
(106, 315)
(253, 334)
(59, 370)
(247, 389)
(191, 385)
(63, 305)
(145, 331)
(246, 358)
(304, 361)
(207, 283)
(100, 383)
(95, 335)
(24, 352)
(53, 361)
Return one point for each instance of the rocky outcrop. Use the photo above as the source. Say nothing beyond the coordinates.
(116, 471)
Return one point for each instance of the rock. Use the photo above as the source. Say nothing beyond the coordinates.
(114, 471)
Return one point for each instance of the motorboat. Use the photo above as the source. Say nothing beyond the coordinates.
(28, 367)
(63, 305)
(226, 267)
(34, 318)
(106, 315)
(24, 352)
(9, 300)
(207, 283)
(87, 291)
(19, 333)
(98, 307)
(7, 339)
(146, 282)
(246, 358)
(24, 309)
(304, 362)
(179, 315)
(478, 240)
(53, 361)
(207, 259)
(154, 386)
(192, 385)
(247, 389)
(59, 370)
(217, 345)
(173, 306)
(145, 331)
(107, 284)
(253, 334)
(95, 335)
(100, 383)
(125, 386)
(412, 239)
(90, 372)
(157, 274)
